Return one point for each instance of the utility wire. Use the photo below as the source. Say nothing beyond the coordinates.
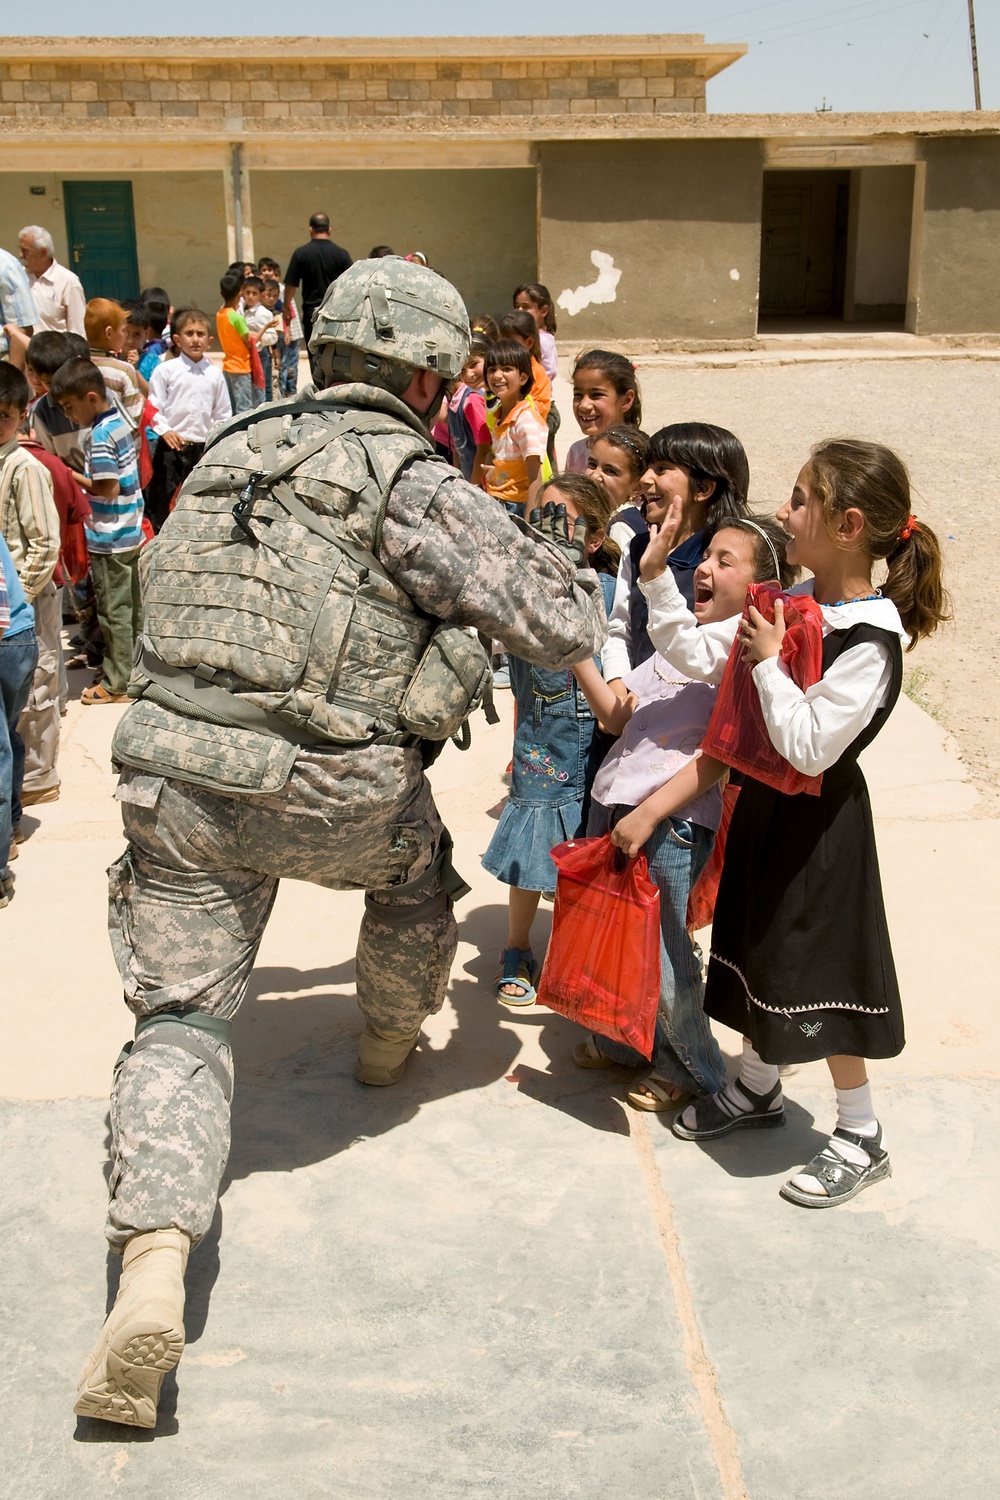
(934, 61)
(916, 55)
(770, 41)
(867, 14)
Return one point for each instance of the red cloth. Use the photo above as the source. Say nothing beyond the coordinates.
(602, 967)
(74, 508)
(256, 368)
(736, 733)
(149, 414)
(701, 901)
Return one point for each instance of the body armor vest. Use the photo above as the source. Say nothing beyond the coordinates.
(267, 614)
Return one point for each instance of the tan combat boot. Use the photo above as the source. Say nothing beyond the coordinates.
(143, 1337)
(382, 1055)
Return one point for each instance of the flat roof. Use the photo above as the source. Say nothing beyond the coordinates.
(47, 49)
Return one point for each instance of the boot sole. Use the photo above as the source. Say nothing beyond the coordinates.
(741, 1122)
(380, 1078)
(137, 1358)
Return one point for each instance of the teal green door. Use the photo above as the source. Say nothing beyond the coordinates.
(100, 228)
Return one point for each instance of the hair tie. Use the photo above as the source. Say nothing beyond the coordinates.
(911, 526)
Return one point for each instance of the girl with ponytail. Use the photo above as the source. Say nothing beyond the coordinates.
(801, 962)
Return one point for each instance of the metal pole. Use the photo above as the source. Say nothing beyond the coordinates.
(975, 55)
(238, 196)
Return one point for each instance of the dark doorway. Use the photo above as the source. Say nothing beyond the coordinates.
(803, 258)
(100, 228)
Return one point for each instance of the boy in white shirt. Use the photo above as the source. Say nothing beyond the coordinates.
(259, 319)
(190, 397)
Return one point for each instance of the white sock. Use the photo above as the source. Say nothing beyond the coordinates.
(854, 1113)
(756, 1075)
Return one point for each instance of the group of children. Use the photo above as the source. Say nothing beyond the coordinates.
(800, 960)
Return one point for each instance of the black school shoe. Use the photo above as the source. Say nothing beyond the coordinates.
(714, 1116)
(842, 1179)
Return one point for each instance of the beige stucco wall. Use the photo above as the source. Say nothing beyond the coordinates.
(180, 225)
(681, 220)
(879, 250)
(477, 228)
(955, 285)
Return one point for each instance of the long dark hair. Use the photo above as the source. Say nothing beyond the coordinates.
(541, 297)
(620, 373)
(708, 454)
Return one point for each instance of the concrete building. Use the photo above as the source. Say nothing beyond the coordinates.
(587, 162)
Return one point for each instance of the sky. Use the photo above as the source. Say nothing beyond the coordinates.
(804, 54)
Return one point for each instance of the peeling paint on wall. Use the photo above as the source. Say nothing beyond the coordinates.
(604, 289)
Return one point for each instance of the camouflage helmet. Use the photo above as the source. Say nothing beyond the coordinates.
(397, 311)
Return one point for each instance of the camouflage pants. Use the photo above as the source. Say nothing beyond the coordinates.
(190, 899)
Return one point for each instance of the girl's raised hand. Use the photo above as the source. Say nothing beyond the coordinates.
(760, 638)
(653, 563)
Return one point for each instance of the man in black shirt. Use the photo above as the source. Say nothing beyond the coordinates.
(313, 267)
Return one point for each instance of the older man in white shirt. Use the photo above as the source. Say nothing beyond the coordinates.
(58, 293)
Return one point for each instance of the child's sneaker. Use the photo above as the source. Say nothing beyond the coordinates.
(6, 886)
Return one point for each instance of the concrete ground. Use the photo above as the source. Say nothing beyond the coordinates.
(496, 1279)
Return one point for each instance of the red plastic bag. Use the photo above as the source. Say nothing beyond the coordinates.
(74, 559)
(256, 367)
(701, 902)
(603, 964)
(736, 733)
(149, 415)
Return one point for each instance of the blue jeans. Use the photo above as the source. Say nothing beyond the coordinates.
(685, 1053)
(18, 656)
(241, 392)
(288, 376)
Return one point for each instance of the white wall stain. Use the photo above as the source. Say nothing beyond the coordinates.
(734, 275)
(604, 289)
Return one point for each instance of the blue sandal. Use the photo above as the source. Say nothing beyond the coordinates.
(519, 970)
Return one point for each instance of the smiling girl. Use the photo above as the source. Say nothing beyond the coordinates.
(655, 792)
(703, 473)
(519, 437)
(801, 961)
(617, 458)
(552, 761)
(605, 394)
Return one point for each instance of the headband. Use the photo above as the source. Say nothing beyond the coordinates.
(602, 437)
(744, 521)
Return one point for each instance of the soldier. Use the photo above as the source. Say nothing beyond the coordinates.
(305, 649)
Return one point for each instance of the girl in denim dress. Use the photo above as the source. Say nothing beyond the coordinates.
(557, 748)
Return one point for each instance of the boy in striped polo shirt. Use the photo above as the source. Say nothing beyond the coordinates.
(114, 532)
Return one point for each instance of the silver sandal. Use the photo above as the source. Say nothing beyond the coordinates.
(842, 1180)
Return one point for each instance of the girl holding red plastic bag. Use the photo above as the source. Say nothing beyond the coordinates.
(801, 961)
(656, 793)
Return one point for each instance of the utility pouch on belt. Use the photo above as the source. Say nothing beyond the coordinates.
(163, 742)
(447, 684)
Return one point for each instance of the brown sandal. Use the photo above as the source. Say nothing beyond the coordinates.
(100, 694)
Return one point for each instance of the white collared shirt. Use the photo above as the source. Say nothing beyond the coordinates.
(811, 729)
(190, 397)
(60, 300)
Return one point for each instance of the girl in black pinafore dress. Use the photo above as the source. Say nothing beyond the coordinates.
(801, 962)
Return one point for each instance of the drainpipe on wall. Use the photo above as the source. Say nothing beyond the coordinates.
(238, 198)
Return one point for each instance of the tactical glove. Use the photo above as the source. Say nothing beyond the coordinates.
(553, 524)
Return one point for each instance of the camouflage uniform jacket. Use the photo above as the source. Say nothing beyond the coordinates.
(458, 557)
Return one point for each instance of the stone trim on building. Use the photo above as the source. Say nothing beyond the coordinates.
(306, 80)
